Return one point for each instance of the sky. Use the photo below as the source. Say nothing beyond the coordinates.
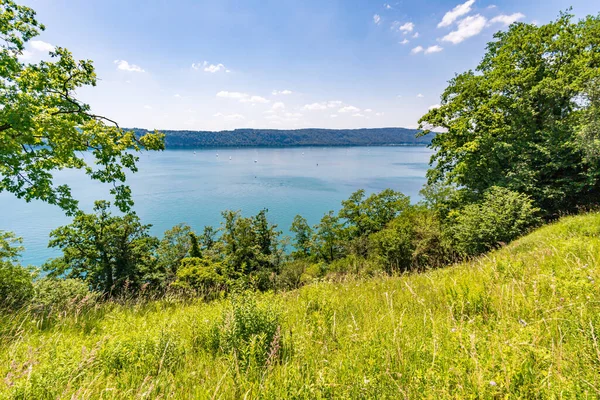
(278, 64)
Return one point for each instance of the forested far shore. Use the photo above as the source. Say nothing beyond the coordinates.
(299, 137)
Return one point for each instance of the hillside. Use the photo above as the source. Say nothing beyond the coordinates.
(520, 322)
(300, 137)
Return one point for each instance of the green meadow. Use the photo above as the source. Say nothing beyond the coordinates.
(522, 321)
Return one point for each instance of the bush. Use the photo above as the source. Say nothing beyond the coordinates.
(16, 285)
(412, 241)
(247, 330)
(393, 246)
(290, 276)
(16, 282)
(201, 276)
(61, 295)
(502, 216)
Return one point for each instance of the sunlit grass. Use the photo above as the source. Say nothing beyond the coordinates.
(523, 321)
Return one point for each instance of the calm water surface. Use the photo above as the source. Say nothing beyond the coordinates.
(194, 186)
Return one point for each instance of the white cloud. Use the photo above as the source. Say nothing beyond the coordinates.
(278, 106)
(292, 115)
(456, 13)
(433, 49)
(254, 99)
(41, 46)
(507, 19)
(433, 107)
(379, 114)
(177, 95)
(125, 66)
(407, 27)
(405, 41)
(333, 116)
(417, 50)
(214, 68)
(147, 107)
(387, 6)
(468, 27)
(358, 115)
(207, 67)
(368, 110)
(281, 92)
(376, 19)
(315, 106)
(348, 109)
(416, 35)
(242, 97)
(420, 96)
(232, 95)
(324, 105)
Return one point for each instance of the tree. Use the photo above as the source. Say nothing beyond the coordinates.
(194, 247)
(110, 253)
(250, 244)
(362, 217)
(589, 132)
(44, 128)
(328, 240)
(208, 237)
(303, 236)
(514, 121)
(173, 247)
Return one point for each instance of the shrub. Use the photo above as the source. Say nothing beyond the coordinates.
(502, 216)
(414, 240)
(61, 295)
(247, 330)
(201, 276)
(393, 246)
(290, 276)
(16, 284)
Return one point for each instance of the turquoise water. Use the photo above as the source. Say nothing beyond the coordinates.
(194, 186)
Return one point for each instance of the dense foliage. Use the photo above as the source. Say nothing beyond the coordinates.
(44, 128)
(527, 118)
(109, 252)
(298, 137)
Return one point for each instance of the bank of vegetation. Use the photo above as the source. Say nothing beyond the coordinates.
(292, 137)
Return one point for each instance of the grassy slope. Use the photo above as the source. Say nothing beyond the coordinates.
(523, 321)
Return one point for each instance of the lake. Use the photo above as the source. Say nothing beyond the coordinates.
(194, 186)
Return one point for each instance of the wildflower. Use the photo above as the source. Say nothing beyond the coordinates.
(493, 383)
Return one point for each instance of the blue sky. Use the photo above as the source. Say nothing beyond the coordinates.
(225, 64)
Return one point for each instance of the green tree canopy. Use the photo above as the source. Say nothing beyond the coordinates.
(44, 127)
(111, 253)
(515, 122)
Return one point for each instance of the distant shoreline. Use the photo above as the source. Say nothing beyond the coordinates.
(304, 146)
(273, 138)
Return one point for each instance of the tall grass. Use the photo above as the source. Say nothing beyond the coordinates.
(523, 321)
